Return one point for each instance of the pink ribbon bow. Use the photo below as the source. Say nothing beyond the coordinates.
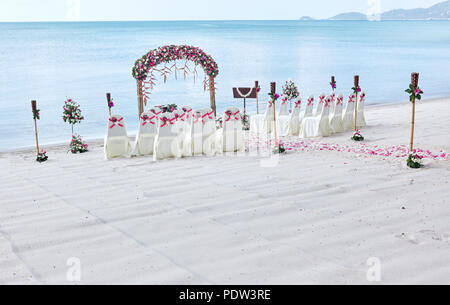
(229, 114)
(298, 103)
(322, 99)
(115, 122)
(310, 101)
(148, 120)
(340, 101)
(167, 121)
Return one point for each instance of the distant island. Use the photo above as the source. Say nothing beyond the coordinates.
(440, 11)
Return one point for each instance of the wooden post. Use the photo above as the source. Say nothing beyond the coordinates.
(212, 94)
(34, 108)
(108, 99)
(356, 101)
(257, 103)
(140, 98)
(273, 89)
(415, 83)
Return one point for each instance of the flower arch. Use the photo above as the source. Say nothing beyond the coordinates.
(146, 67)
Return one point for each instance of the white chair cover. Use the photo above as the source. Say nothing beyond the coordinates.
(197, 133)
(187, 140)
(168, 143)
(361, 120)
(284, 107)
(145, 138)
(308, 109)
(262, 123)
(333, 101)
(116, 143)
(318, 126)
(231, 137)
(209, 132)
(349, 115)
(322, 101)
(336, 118)
(294, 119)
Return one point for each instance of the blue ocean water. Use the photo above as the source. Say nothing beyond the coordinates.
(51, 61)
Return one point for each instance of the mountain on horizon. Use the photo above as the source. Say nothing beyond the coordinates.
(439, 11)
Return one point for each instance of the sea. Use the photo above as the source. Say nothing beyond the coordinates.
(50, 62)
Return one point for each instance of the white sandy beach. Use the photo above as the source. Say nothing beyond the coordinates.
(315, 218)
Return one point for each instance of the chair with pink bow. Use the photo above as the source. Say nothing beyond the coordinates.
(231, 137)
(117, 144)
(333, 101)
(308, 112)
(209, 132)
(284, 107)
(361, 119)
(348, 120)
(317, 126)
(294, 119)
(168, 143)
(322, 101)
(262, 124)
(336, 116)
(145, 138)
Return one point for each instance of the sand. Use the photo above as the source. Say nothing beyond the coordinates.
(316, 217)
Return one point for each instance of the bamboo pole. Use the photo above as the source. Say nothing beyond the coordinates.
(34, 108)
(415, 84)
(108, 99)
(257, 103)
(356, 101)
(140, 98)
(411, 146)
(273, 88)
(212, 94)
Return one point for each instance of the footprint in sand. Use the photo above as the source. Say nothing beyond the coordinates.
(425, 236)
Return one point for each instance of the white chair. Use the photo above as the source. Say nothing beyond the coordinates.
(197, 133)
(348, 119)
(336, 116)
(209, 132)
(231, 137)
(284, 107)
(319, 109)
(283, 118)
(308, 112)
(317, 126)
(145, 138)
(168, 143)
(361, 120)
(187, 140)
(262, 123)
(117, 143)
(333, 101)
(294, 119)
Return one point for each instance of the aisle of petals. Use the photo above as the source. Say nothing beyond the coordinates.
(400, 151)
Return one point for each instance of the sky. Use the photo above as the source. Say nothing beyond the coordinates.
(120, 10)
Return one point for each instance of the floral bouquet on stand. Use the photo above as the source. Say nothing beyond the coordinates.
(245, 121)
(42, 156)
(279, 148)
(78, 145)
(290, 91)
(357, 136)
(219, 123)
(72, 114)
(168, 108)
(414, 160)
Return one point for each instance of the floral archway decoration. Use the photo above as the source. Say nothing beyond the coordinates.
(146, 69)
